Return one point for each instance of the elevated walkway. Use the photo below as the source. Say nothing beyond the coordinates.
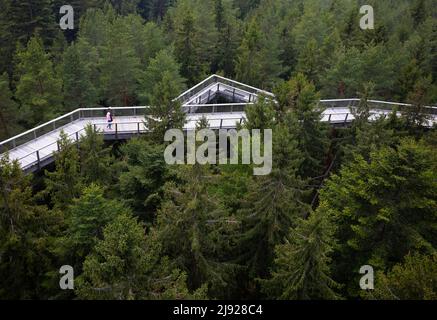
(222, 101)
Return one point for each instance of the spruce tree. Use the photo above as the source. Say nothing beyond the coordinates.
(301, 269)
(164, 63)
(119, 66)
(192, 228)
(8, 109)
(164, 113)
(95, 158)
(27, 231)
(273, 204)
(38, 88)
(64, 184)
(79, 90)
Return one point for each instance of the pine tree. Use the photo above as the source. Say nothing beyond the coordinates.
(119, 66)
(413, 279)
(142, 178)
(95, 159)
(124, 266)
(79, 90)
(228, 31)
(86, 217)
(257, 60)
(38, 89)
(261, 114)
(27, 232)
(115, 268)
(8, 109)
(64, 184)
(298, 106)
(301, 270)
(186, 50)
(384, 207)
(162, 64)
(165, 113)
(273, 204)
(192, 228)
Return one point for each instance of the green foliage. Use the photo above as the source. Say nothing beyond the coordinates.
(64, 184)
(272, 204)
(26, 235)
(38, 88)
(414, 279)
(86, 217)
(143, 176)
(119, 66)
(163, 65)
(79, 90)
(8, 109)
(302, 264)
(298, 106)
(384, 207)
(192, 228)
(165, 113)
(95, 158)
(257, 60)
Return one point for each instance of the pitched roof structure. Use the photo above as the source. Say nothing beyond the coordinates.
(220, 93)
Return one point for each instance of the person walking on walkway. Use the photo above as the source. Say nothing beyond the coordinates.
(110, 119)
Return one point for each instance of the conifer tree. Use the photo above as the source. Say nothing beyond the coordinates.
(79, 90)
(164, 112)
(273, 204)
(164, 63)
(8, 109)
(192, 228)
(64, 184)
(301, 270)
(38, 88)
(298, 105)
(95, 159)
(413, 279)
(86, 217)
(384, 207)
(119, 66)
(144, 173)
(27, 232)
(124, 265)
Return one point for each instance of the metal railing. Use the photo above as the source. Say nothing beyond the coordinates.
(60, 122)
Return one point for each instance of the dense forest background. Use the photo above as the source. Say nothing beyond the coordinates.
(135, 228)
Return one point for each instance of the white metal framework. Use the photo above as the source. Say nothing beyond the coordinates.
(34, 148)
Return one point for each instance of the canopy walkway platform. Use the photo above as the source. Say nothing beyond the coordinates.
(220, 100)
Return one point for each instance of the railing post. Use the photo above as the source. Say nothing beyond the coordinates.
(329, 120)
(116, 131)
(221, 123)
(59, 147)
(345, 120)
(95, 127)
(38, 160)
(34, 134)
(138, 127)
